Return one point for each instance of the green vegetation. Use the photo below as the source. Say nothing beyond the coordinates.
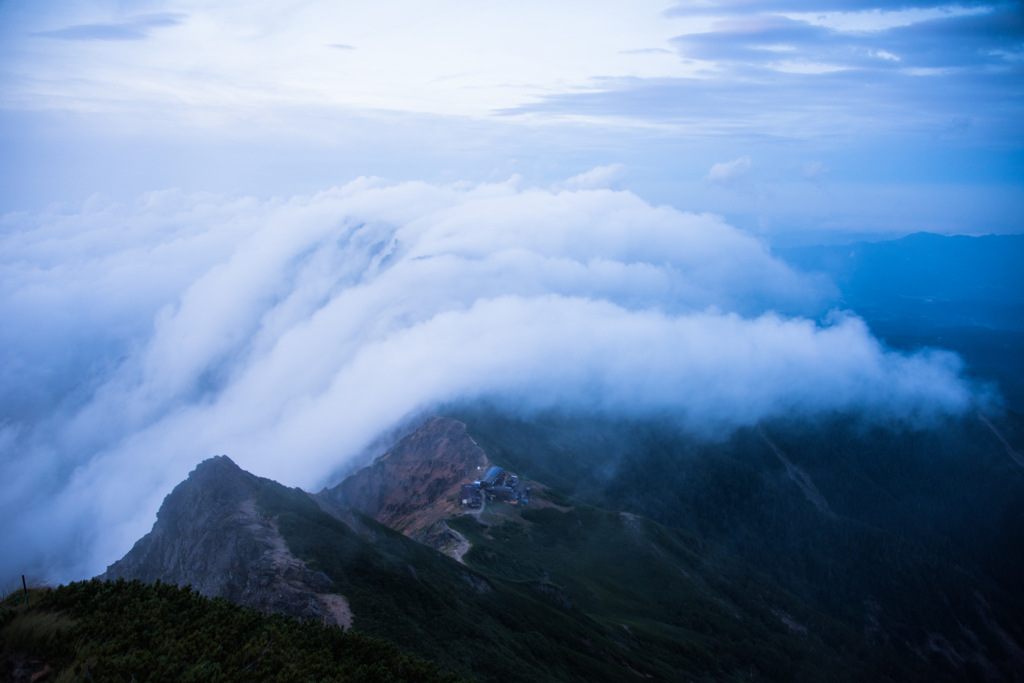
(685, 612)
(122, 631)
(652, 554)
(926, 547)
(581, 595)
(484, 627)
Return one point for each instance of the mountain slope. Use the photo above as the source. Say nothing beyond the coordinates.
(209, 534)
(126, 630)
(416, 483)
(520, 607)
(911, 536)
(558, 591)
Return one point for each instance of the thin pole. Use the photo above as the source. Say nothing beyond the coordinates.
(24, 588)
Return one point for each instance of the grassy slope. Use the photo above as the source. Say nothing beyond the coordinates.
(927, 520)
(685, 610)
(119, 631)
(577, 595)
(428, 604)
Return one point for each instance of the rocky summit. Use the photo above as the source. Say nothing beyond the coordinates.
(209, 534)
(415, 484)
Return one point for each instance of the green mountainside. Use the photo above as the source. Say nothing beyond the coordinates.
(839, 550)
(128, 630)
(579, 594)
(912, 537)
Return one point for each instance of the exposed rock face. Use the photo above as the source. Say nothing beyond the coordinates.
(209, 534)
(447, 541)
(408, 488)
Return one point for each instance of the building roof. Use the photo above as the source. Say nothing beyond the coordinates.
(492, 474)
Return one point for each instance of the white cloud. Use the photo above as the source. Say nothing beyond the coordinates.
(814, 170)
(228, 58)
(729, 172)
(598, 178)
(290, 334)
(882, 54)
(879, 20)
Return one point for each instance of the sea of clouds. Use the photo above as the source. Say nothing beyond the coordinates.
(289, 334)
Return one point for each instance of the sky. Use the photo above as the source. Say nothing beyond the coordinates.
(278, 231)
(853, 117)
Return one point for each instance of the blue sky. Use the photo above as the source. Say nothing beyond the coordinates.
(279, 231)
(857, 117)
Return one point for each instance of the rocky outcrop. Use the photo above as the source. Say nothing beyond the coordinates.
(416, 483)
(443, 539)
(209, 534)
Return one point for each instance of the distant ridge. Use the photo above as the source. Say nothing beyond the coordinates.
(961, 293)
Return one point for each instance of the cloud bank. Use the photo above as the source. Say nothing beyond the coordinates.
(289, 334)
(843, 68)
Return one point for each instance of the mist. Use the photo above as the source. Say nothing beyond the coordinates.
(141, 338)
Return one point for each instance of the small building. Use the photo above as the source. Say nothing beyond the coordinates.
(492, 477)
(470, 496)
(503, 493)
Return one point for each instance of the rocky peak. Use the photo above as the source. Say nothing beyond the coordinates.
(211, 491)
(408, 487)
(210, 534)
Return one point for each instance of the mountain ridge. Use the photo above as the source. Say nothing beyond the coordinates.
(609, 589)
(415, 484)
(228, 549)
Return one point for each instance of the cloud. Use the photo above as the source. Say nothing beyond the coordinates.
(137, 29)
(728, 173)
(879, 8)
(949, 37)
(596, 178)
(342, 46)
(646, 51)
(813, 170)
(882, 54)
(289, 334)
(804, 70)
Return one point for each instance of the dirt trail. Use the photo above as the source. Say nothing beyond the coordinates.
(479, 511)
(462, 544)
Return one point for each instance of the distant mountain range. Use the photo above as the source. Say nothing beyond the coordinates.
(836, 550)
(961, 293)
